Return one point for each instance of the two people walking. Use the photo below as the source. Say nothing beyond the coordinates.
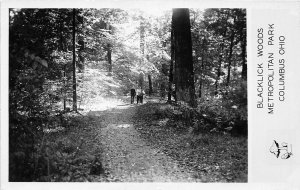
(139, 93)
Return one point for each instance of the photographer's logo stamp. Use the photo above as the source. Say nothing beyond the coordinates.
(284, 151)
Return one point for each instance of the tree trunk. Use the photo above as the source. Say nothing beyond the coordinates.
(230, 58)
(80, 55)
(65, 90)
(170, 90)
(204, 43)
(109, 58)
(150, 85)
(220, 59)
(219, 70)
(184, 72)
(244, 64)
(142, 51)
(109, 49)
(201, 79)
(61, 46)
(81, 45)
(74, 64)
(200, 88)
(141, 81)
(142, 41)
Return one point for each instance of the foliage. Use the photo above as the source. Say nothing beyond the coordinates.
(210, 157)
(36, 57)
(212, 31)
(40, 73)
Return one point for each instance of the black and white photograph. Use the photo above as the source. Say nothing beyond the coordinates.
(149, 94)
(128, 95)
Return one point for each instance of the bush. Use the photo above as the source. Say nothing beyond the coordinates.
(229, 110)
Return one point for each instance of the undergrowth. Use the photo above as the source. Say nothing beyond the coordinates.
(212, 156)
(59, 155)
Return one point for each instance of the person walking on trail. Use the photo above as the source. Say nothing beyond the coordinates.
(140, 96)
(132, 94)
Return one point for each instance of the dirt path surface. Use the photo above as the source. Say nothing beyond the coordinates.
(125, 155)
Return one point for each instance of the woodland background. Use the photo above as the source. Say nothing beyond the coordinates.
(64, 63)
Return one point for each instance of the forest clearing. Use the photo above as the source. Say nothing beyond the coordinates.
(112, 95)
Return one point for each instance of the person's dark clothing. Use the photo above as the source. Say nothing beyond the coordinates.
(140, 96)
(132, 94)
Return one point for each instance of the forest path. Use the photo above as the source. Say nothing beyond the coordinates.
(125, 155)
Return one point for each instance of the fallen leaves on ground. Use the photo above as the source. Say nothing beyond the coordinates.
(146, 143)
(211, 157)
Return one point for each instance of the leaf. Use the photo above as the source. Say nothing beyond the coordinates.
(44, 63)
(41, 61)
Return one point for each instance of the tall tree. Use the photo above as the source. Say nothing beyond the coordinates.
(184, 74)
(150, 84)
(244, 64)
(221, 49)
(109, 49)
(142, 48)
(62, 49)
(74, 61)
(230, 57)
(170, 84)
(81, 40)
(243, 39)
(203, 58)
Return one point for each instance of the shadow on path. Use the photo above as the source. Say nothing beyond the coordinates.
(125, 155)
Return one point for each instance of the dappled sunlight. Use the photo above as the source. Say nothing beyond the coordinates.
(96, 83)
(102, 104)
(125, 125)
(163, 122)
(125, 106)
(109, 95)
(114, 102)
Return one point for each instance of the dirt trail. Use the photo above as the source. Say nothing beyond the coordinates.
(126, 155)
